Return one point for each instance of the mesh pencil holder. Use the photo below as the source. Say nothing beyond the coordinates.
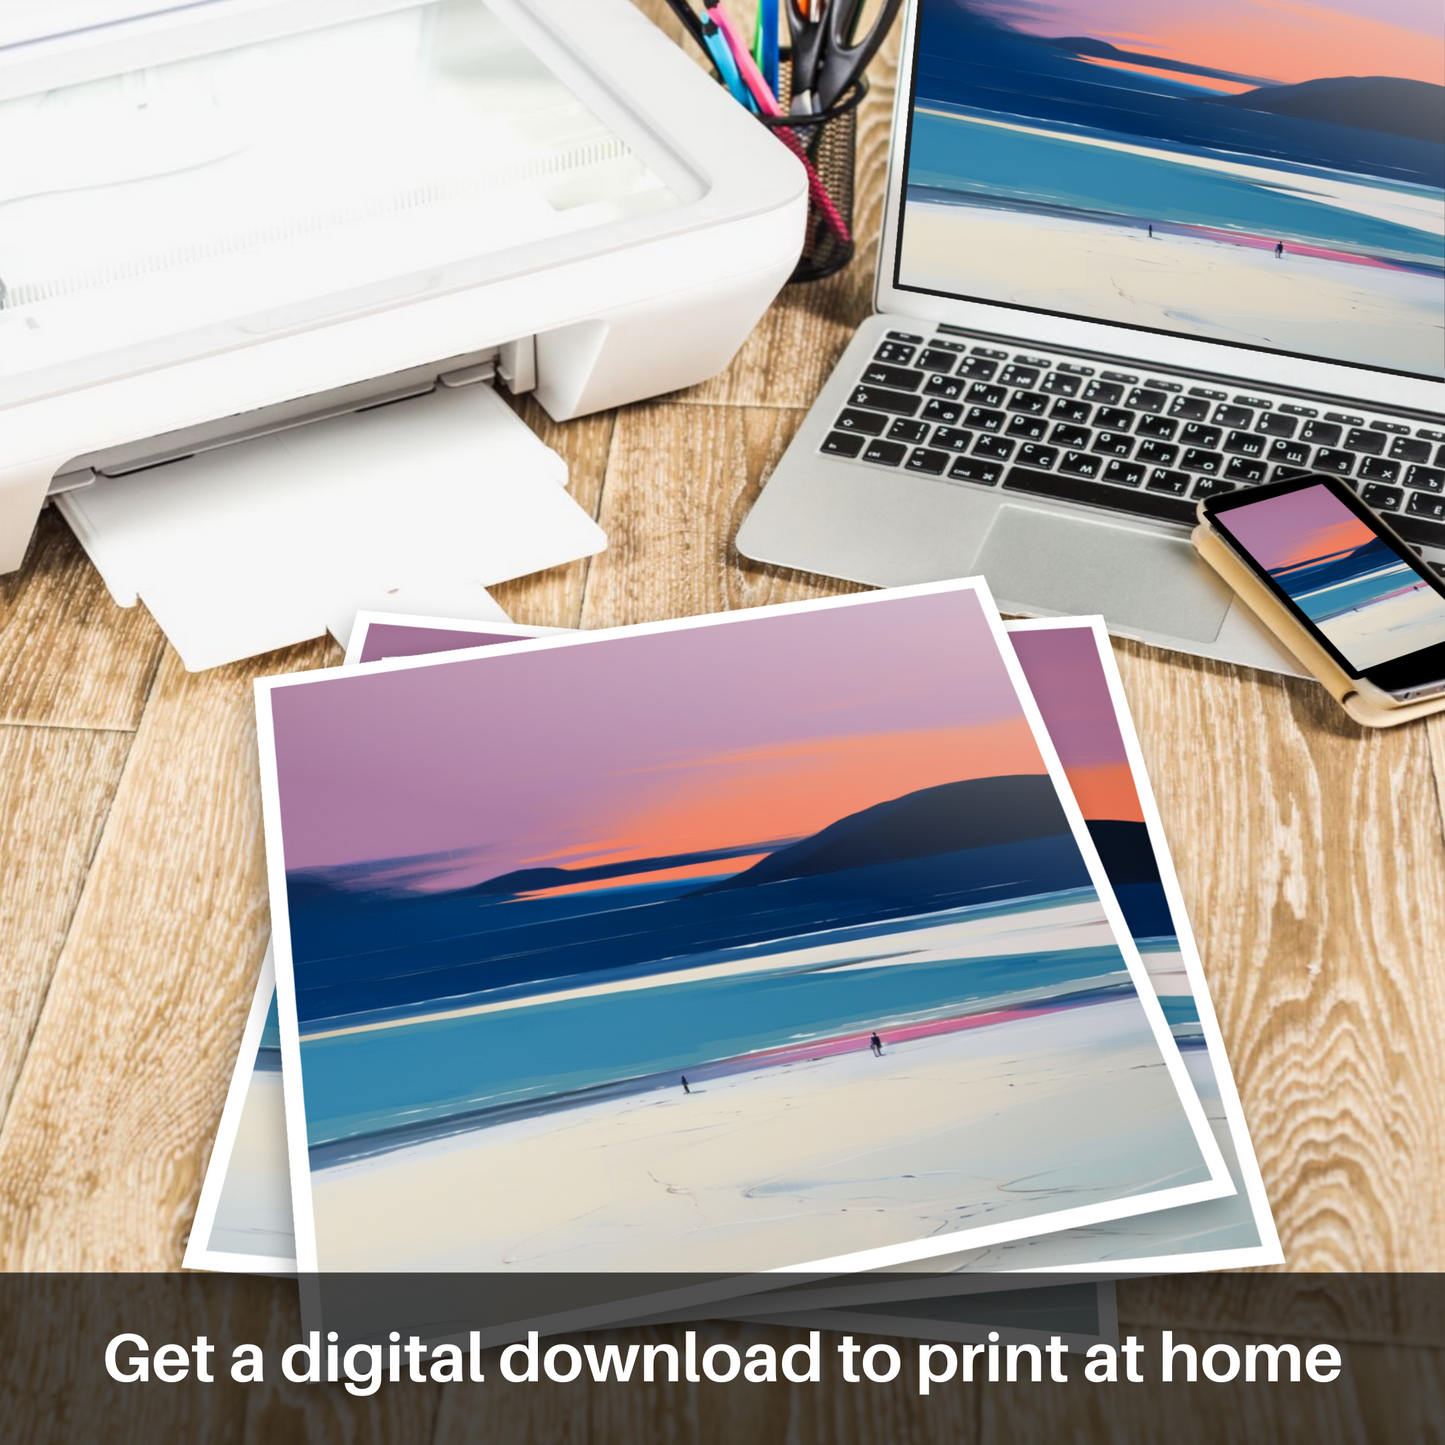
(826, 143)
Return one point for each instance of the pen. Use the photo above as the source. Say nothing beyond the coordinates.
(765, 42)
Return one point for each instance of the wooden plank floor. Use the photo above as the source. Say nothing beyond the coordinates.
(133, 907)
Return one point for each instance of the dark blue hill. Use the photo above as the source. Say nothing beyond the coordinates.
(1383, 103)
(975, 813)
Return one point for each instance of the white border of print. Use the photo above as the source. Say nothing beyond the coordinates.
(199, 1254)
(1268, 1250)
(1219, 1183)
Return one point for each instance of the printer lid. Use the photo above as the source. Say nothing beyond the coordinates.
(185, 176)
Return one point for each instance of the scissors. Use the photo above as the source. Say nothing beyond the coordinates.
(828, 56)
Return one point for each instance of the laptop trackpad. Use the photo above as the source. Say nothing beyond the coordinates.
(1038, 559)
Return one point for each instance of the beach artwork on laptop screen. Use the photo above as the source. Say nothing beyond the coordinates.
(1370, 603)
(1241, 171)
(737, 944)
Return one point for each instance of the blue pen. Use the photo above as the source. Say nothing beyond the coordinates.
(727, 67)
(768, 29)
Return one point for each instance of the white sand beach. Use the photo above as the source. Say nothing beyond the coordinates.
(788, 1164)
(1213, 289)
(1389, 628)
(253, 1214)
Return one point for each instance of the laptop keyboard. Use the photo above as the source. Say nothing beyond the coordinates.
(1141, 444)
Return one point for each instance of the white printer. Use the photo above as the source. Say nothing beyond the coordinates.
(223, 220)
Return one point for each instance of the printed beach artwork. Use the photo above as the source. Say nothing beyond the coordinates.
(726, 946)
(1367, 601)
(1243, 172)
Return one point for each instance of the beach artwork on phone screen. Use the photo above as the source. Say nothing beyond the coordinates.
(1242, 171)
(1357, 590)
(740, 944)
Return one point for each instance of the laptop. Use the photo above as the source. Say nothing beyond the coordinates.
(1131, 257)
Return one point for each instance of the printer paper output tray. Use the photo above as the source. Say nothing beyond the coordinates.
(415, 506)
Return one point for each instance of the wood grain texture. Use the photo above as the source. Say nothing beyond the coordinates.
(56, 786)
(69, 657)
(1311, 859)
(679, 482)
(102, 1149)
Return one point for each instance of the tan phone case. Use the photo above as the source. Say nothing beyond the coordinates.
(1272, 613)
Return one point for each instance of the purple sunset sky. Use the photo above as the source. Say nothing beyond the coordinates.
(581, 749)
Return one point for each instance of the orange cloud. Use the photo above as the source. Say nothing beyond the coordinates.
(796, 789)
(1106, 790)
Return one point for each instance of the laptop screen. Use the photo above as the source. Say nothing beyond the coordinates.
(1254, 172)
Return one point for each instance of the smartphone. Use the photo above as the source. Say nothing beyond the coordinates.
(1340, 571)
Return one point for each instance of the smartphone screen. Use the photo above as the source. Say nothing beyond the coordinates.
(1366, 597)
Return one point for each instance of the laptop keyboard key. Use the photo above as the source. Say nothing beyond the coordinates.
(982, 419)
(904, 430)
(1196, 459)
(935, 409)
(1292, 454)
(952, 438)
(1233, 415)
(1271, 424)
(1113, 444)
(1015, 375)
(1107, 392)
(1162, 480)
(1162, 427)
(878, 398)
(1075, 411)
(936, 360)
(1030, 427)
(867, 422)
(1377, 469)
(1035, 403)
(1071, 436)
(1195, 435)
(923, 459)
(971, 469)
(995, 447)
(877, 374)
(948, 387)
(1142, 398)
(1427, 479)
(1037, 456)
(895, 353)
(1081, 464)
(1381, 498)
(1189, 408)
(1075, 488)
(1113, 418)
(1211, 487)
(1245, 443)
(982, 394)
(905, 336)
(1407, 449)
(1245, 469)
(1156, 454)
(977, 368)
(1328, 459)
(886, 454)
(1322, 433)
(843, 444)
(1372, 443)
(1060, 383)
(1124, 474)
(1423, 504)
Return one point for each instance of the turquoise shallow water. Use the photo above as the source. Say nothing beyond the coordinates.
(359, 1083)
(990, 162)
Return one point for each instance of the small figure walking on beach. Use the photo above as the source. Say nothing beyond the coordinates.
(1151, 230)
(876, 1044)
(1278, 249)
(685, 1088)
